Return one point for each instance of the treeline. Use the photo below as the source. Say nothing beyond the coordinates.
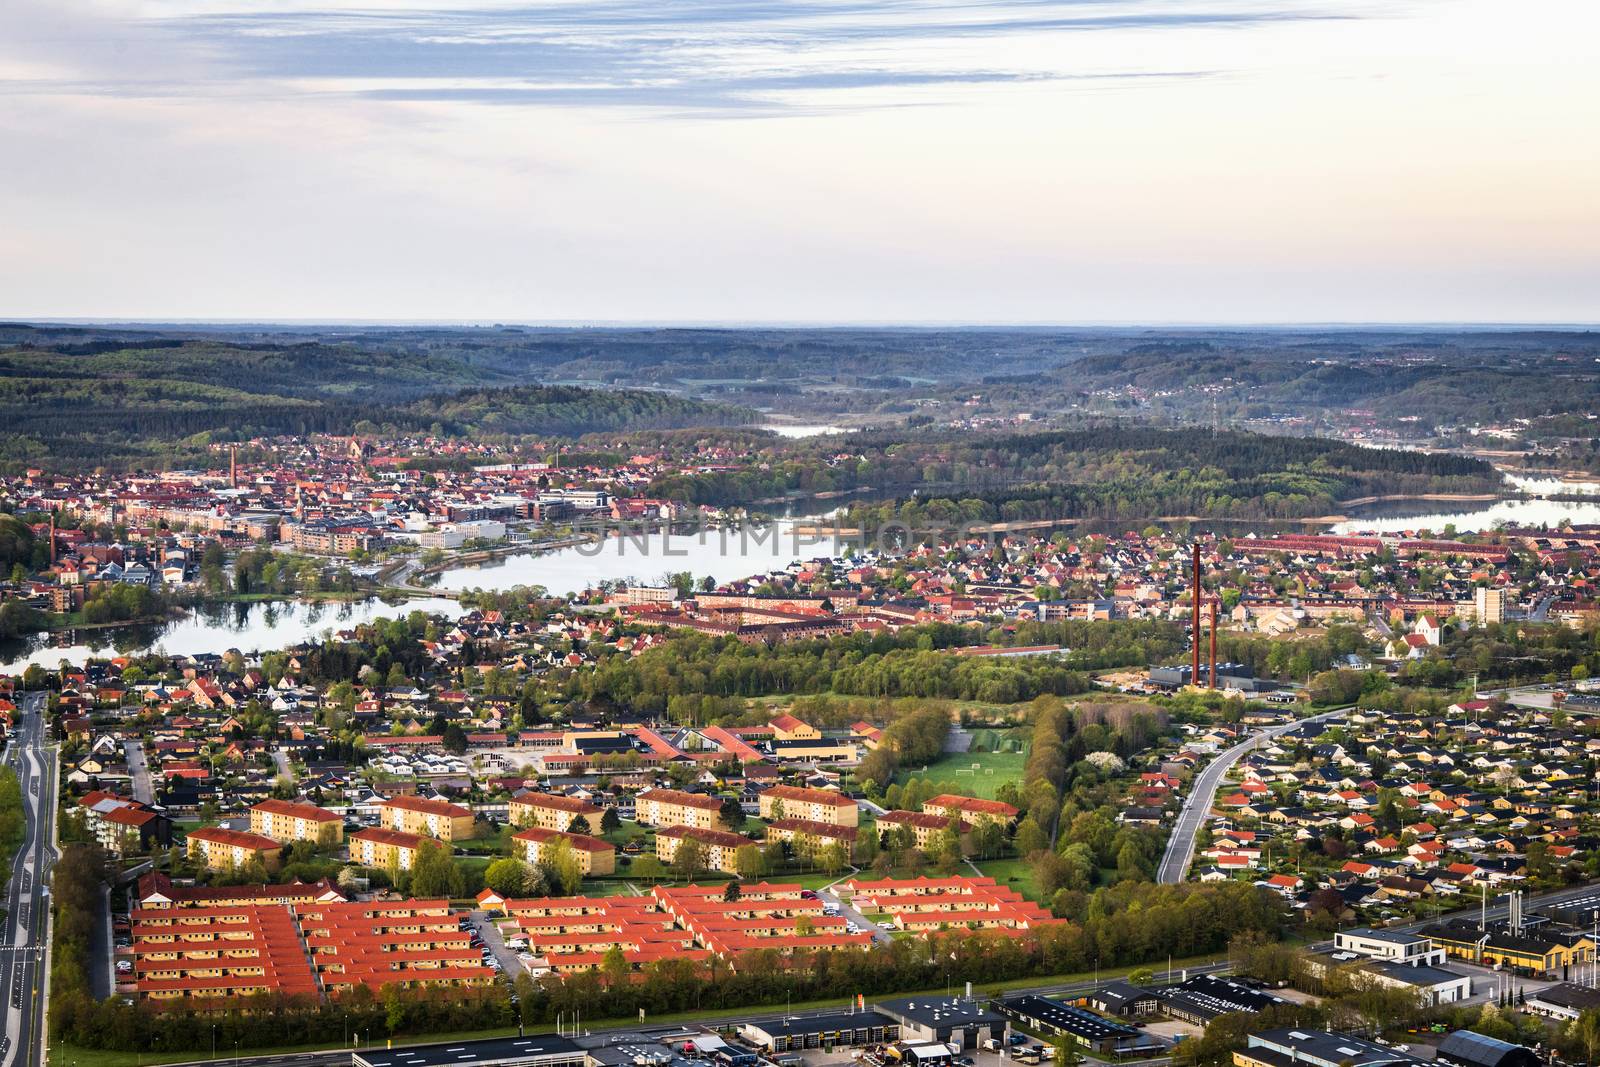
(1069, 832)
(1110, 471)
(120, 603)
(75, 888)
(912, 662)
(1123, 925)
(912, 739)
(12, 825)
(148, 405)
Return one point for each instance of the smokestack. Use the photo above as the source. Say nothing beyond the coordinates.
(1213, 644)
(52, 538)
(233, 465)
(1194, 662)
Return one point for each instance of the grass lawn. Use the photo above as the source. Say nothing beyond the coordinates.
(64, 1055)
(978, 773)
(1012, 872)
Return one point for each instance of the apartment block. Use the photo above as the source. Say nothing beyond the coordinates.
(550, 811)
(287, 820)
(595, 857)
(719, 849)
(925, 829)
(972, 809)
(673, 807)
(227, 850)
(377, 847)
(431, 818)
(812, 805)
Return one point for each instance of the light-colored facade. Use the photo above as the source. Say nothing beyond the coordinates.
(595, 857)
(812, 805)
(432, 818)
(228, 850)
(673, 807)
(549, 811)
(719, 850)
(377, 847)
(286, 820)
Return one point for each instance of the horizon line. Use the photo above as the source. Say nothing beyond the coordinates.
(490, 322)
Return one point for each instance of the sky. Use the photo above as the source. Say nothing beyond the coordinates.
(1028, 161)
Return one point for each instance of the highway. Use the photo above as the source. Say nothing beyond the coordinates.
(1203, 793)
(27, 922)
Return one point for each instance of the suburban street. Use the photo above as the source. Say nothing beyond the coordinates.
(139, 772)
(27, 920)
(1203, 793)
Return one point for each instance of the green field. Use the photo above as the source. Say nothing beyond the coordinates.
(1011, 872)
(977, 773)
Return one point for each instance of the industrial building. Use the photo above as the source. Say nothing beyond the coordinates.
(1052, 1017)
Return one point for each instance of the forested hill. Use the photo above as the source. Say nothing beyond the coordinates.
(157, 402)
(1140, 473)
(1112, 471)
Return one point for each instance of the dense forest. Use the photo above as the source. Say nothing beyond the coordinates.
(1123, 472)
(906, 663)
(1294, 380)
(154, 404)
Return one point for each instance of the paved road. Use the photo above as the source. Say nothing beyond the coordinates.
(510, 965)
(1203, 793)
(139, 771)
(27, 921)
(849, 911)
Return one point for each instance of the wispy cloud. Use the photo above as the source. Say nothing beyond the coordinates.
(733, 58)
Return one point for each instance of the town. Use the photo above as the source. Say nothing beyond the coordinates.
(964, 759)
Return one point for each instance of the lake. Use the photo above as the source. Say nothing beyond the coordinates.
(725, 555)
(786, 430)
(258, 626)
(1397, 516)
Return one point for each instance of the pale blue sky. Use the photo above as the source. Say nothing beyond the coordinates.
(821, 160)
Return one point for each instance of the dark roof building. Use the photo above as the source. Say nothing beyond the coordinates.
(838, 1029)
(1467, 1049)
(1046, 1015)
(1286, 1047)
(1204, 998)
(541, 1050)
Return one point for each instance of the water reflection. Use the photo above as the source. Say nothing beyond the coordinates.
(215, 629)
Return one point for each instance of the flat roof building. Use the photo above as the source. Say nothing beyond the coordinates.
(543, 1050)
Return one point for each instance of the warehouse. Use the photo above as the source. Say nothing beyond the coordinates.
(839, 1029)
(1046, 1015)
(1204, 998)
(959, 1021)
